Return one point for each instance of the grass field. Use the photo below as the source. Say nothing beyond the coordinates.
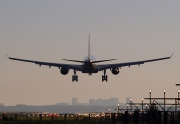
(55, 120)
(86, 119)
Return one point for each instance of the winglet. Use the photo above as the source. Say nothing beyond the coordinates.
(7, 55)
(171, 55)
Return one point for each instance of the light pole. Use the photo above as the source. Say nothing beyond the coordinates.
(131, 103)
(142, 110)
(164, 98)
(109, 113)
(178, 95)
(142, 104)
(118, 109)
(150, 95)
(175, 105)
(137, 107)
(127, 107)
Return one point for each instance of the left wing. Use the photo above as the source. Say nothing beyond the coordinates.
(119, 65)
(59, 65)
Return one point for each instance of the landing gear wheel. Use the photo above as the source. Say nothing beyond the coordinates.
(75, 78)
(104, 78)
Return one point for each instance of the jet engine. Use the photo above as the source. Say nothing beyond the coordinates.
(115, 71)
(64, 71)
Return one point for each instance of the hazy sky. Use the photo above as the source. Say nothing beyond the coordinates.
(51, 30)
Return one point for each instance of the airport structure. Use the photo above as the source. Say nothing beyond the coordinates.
(150, 110)
(154, 111)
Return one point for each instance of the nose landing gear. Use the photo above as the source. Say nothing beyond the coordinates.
(75, 77)
(104, 77)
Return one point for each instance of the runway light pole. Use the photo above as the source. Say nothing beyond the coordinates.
(109, 113)
(131, 104)
(118, 108)
(164, 98)
(142, 104)
(127, 107)
(178, 96)
(150, 95)
(176, 105)
(137, 107)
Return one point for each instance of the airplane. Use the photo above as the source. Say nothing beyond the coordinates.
(89, 65)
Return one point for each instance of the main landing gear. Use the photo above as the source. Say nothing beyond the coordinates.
(75, 77)
(104, 77)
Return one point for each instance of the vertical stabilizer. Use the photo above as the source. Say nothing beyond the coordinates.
(89, 47)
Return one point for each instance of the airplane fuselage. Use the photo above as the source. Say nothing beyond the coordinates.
(89, 67)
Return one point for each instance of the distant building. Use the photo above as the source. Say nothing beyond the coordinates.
(83, 104)
(92, 102)
(110, 102)
(106, 102)
(21, 105)
(74, 101)
(63, 104)
(128, 99)
(114, 101)
(99, 102)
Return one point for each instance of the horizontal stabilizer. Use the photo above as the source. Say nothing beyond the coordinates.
(73, 60)
(103, 60)
(91, 62)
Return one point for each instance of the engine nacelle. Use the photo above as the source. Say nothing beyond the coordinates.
(115, 71)
(64, 71)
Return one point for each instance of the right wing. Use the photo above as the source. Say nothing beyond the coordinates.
(59, 65)
(119, 65)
